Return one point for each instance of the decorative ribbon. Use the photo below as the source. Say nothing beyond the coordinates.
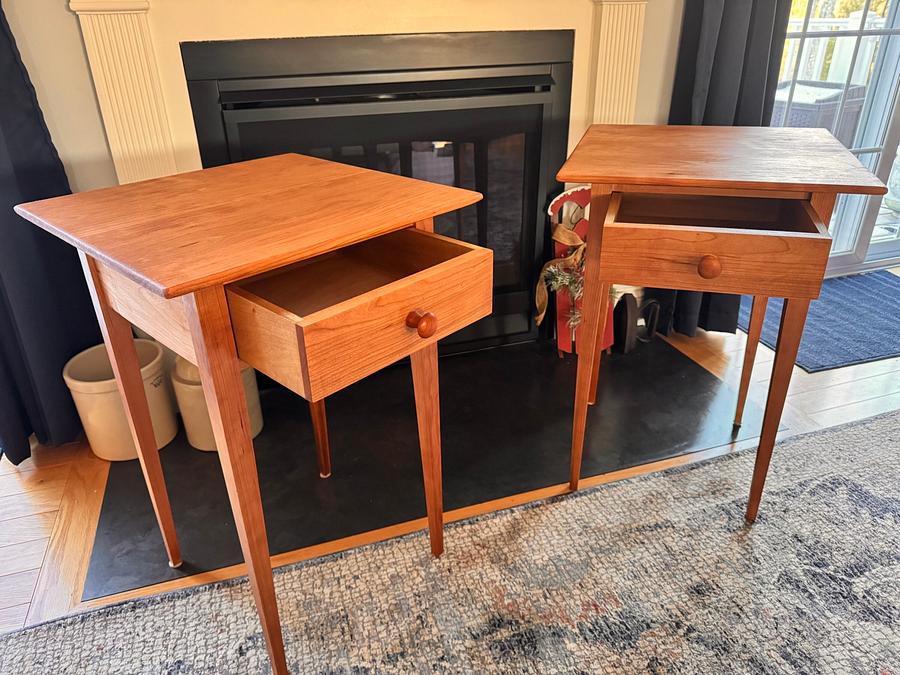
(563, 235)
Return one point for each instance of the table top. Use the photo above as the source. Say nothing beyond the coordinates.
(760, 158)
(181, 233)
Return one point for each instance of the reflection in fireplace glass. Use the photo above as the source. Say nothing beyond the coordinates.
(485, 111)
(454, 163)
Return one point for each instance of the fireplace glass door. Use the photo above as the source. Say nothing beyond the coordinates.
(491, 144)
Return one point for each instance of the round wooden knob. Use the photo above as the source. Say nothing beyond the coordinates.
(709, 267)
(425, 323)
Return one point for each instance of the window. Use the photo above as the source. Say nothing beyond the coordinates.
(840, 70)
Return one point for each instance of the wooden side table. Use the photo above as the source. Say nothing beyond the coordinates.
(723, 209)
(258, 261)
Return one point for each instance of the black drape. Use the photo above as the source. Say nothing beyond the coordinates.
(727, 71)
(45, 311)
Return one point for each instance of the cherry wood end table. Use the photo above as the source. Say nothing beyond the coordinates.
(740, 210)
(313, 272)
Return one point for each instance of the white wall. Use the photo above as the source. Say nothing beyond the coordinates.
(50, 41)
(176, 21)
(662, 29)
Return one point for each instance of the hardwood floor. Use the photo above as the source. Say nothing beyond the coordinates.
(815, 400)
(49, 505)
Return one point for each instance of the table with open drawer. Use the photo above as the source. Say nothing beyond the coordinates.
(313, 272)
(742, 210)
(324, 323)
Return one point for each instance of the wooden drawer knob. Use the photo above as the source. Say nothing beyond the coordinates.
(709, 267)
(425, 323)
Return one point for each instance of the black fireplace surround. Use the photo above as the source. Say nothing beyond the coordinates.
(487, 111)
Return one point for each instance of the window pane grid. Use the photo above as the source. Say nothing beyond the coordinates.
(840, 70)
(802, 43)
(829, 74)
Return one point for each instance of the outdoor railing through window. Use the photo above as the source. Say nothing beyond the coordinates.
(840, 70)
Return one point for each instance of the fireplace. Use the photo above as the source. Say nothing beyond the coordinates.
(485, 111)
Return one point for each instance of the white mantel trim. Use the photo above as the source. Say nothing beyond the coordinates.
(126, 77)
(123, 66)
(617, 40)
(107, 6)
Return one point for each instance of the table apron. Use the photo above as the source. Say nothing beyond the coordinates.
(164, 319)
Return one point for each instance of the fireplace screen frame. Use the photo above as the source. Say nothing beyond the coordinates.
(240, 81)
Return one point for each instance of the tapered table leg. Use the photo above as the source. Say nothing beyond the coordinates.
(602, 318)
(127, 369)
(793, 318)
(754, 330)
(594, 291)
(425, 384)
(210, 324)
(320, 430)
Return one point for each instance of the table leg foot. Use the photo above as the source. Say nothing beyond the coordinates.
(127, 368)
(425, 384)
(210, 325)
(586, 378)
(596, 295)
(602, 318)
(754, 330)
(320, 430)
(793, 318)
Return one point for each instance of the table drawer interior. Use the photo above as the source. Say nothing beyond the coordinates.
(727, 213)
(321, 324)
(714, 243)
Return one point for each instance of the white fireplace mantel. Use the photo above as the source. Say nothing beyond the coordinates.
(123, 66)
(616, 41)
(144, 109)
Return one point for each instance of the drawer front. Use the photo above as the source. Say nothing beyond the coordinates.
(712, 259)
(350, 340)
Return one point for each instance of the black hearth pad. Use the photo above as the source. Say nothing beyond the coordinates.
(506, 425)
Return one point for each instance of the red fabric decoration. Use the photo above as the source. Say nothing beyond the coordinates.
(582, 197)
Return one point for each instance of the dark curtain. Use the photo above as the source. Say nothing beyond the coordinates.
(728, 62)
(45, 310)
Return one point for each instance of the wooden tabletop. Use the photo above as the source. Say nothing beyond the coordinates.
(767, 158)
(177, 234)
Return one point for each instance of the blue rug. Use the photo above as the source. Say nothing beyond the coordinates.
(856, 319)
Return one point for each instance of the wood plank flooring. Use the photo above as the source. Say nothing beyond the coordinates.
(50, 504)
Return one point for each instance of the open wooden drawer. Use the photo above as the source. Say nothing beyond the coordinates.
(776, 247)
(324, 323)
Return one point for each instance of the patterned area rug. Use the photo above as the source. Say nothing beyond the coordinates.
(653, 574)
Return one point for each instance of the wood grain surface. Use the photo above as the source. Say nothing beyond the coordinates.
(164, 319)
(759, 246)
(65, 564)
(185, 232)
(428, 414)
(343, 314)
(718, 157)
(223, 389)
(754, 331)
(793, 319)
(125, 364)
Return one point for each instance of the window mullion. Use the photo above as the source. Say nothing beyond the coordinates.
(800, 45)
(840, 110)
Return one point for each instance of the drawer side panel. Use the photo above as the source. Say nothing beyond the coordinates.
(266, 340)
